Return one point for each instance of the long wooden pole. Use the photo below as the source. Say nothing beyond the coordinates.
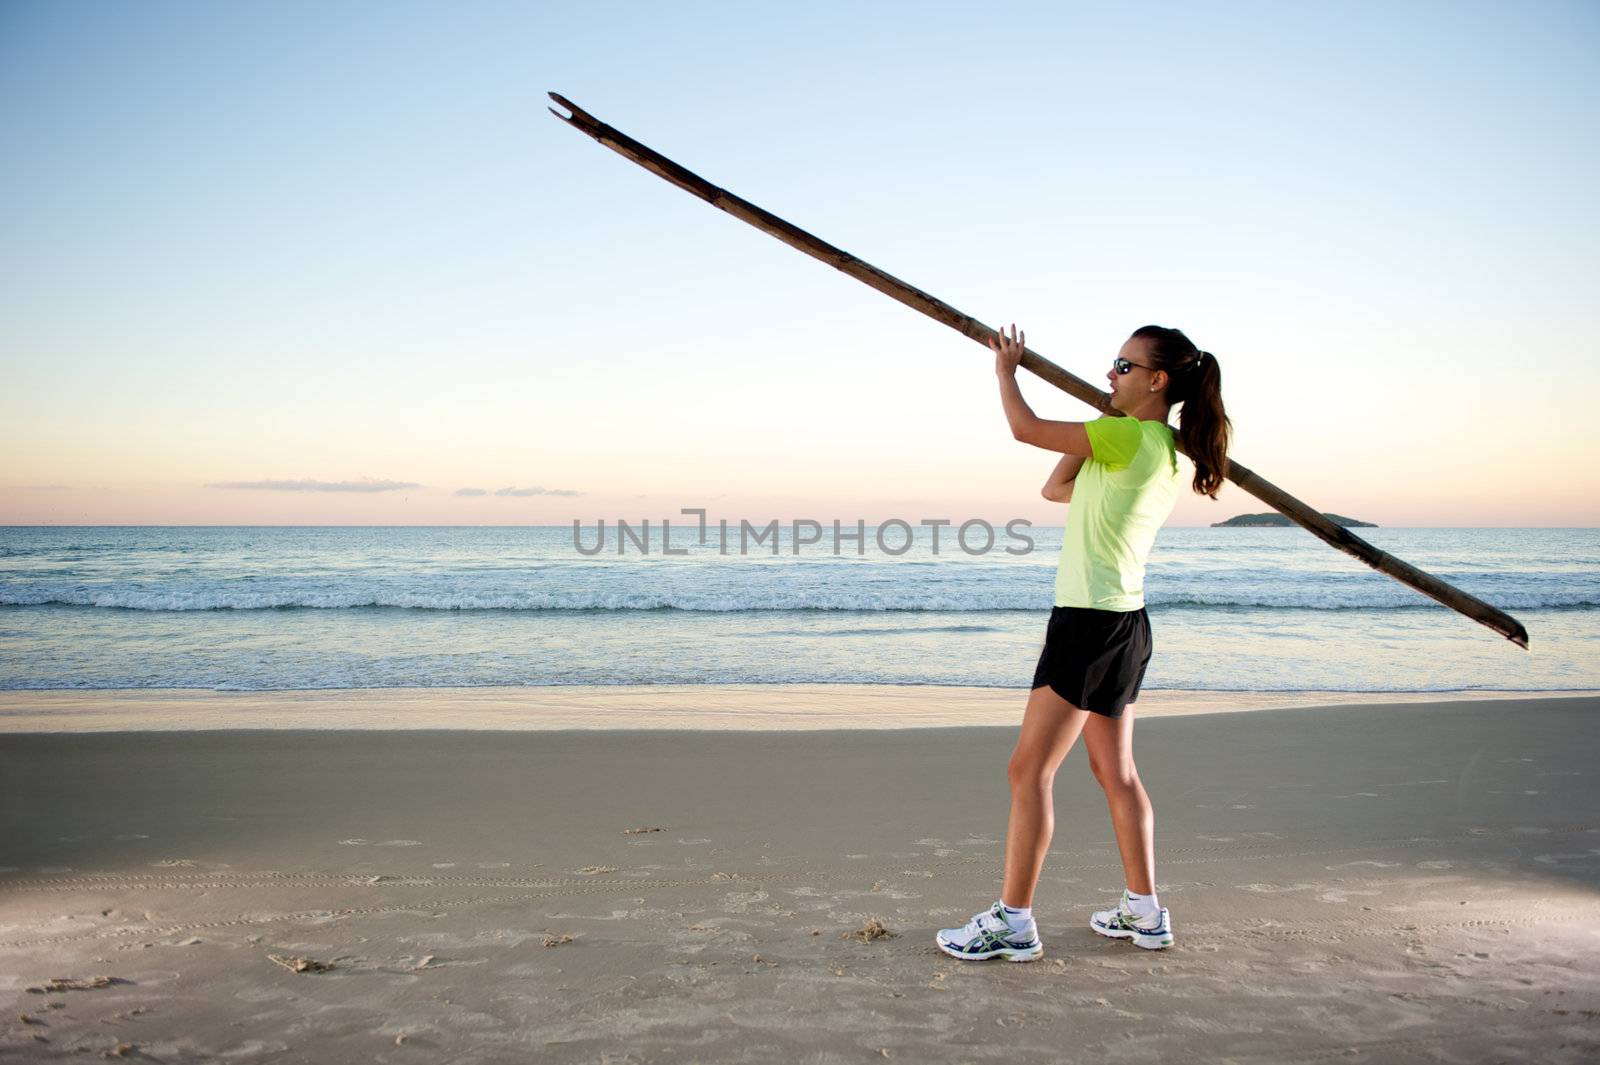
(915, 298)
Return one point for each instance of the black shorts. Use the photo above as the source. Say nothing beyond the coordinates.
(1095, 659)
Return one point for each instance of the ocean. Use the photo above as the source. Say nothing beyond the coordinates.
(288, 608)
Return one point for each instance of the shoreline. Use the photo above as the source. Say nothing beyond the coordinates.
(697, 707)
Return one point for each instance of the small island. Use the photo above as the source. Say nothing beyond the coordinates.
(1273, 518)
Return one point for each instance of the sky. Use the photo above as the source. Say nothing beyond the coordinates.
(303, 263)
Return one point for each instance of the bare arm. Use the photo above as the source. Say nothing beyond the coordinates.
(1058, 489)
(1066, 437)
(1069, 438)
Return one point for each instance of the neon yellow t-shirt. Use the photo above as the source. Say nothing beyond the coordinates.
(1122, 495)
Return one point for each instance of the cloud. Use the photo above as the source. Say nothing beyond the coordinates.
(470, 492)
(536, 491)
(318, 486)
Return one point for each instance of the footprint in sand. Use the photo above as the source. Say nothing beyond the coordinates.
(1561, 859)
(1342, 895)
(1277, 889)
(252, 1048)
(741, 901)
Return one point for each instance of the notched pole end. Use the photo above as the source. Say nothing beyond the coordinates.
(578, 117)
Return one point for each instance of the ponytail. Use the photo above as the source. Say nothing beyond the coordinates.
(1195, 381)
(1203, 424)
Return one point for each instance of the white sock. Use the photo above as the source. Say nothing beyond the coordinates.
(1143, 905)
(1018, 919)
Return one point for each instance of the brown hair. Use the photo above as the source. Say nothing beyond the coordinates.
(1195, 380)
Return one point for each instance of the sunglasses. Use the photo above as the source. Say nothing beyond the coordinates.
(1124, 367)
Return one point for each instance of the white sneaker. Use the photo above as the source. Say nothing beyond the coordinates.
(988, 935)
(1151, 933)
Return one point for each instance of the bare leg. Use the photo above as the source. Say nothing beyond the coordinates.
(1109, 742)
(1049, 728)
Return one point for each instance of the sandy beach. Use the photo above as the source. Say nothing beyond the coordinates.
(1356, 883)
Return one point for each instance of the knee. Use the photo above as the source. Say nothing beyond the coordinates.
(1027, 773)
(1115, 779)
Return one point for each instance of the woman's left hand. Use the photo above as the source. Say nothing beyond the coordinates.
(1008, 350)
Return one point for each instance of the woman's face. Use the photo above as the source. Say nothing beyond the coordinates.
(1132, 388)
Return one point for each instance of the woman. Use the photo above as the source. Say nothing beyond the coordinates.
(1121, 475)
